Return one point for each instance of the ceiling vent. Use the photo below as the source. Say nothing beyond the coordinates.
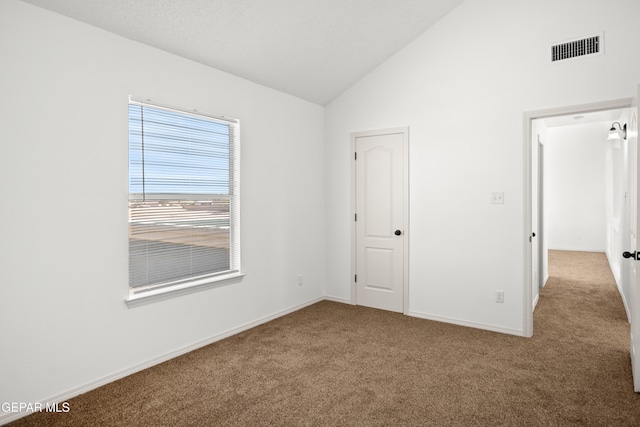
(576, 48)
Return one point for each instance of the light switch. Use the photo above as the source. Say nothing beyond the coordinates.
(497, 198)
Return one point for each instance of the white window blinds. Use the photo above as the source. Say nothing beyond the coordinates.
(183, 198)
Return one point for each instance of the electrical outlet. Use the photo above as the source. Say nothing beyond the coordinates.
(300, 280)
(497, 198)
(499, 296)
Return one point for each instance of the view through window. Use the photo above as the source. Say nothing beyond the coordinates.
(182, 197)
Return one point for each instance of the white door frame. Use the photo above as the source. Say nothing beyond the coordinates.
(528, 117)
(538, 228)
(405, 131)
(542, 279)
(634, 221)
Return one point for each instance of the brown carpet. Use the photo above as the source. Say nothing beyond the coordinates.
(335, 364)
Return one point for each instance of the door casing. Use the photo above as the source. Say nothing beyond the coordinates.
(634, 241)
(528, 117)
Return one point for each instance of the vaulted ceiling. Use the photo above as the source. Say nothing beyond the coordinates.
(312, 49)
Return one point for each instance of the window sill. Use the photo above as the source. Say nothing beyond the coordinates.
(143, 298)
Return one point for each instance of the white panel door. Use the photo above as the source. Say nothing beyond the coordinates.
(380, 226)
(634, 279)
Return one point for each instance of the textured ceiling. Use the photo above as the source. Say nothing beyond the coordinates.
(312, 49)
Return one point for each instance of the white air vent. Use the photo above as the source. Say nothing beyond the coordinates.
(576, 48)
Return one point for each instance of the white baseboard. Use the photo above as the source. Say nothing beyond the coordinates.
(8, 417)
(476, 325)
(535, 302)
(572, 249)
(466, 323)
(337, 299)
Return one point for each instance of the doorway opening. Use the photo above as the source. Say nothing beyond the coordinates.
(536, 241)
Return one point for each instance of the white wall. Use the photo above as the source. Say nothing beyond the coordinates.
(617, 210)
(63, 164)
(575, 187)
(462, 87)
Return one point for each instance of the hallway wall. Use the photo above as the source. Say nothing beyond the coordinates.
(575, 187)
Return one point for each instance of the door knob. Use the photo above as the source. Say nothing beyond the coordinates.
(629, 255)
(398, 232)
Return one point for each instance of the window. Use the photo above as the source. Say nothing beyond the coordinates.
(183, 199)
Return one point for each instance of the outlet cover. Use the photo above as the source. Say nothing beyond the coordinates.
(497, 198)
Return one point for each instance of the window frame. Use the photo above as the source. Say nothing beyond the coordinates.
(151, 293)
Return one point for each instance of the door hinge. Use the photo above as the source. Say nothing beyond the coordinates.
(355, 278)
(355, 156)
(356, 217)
